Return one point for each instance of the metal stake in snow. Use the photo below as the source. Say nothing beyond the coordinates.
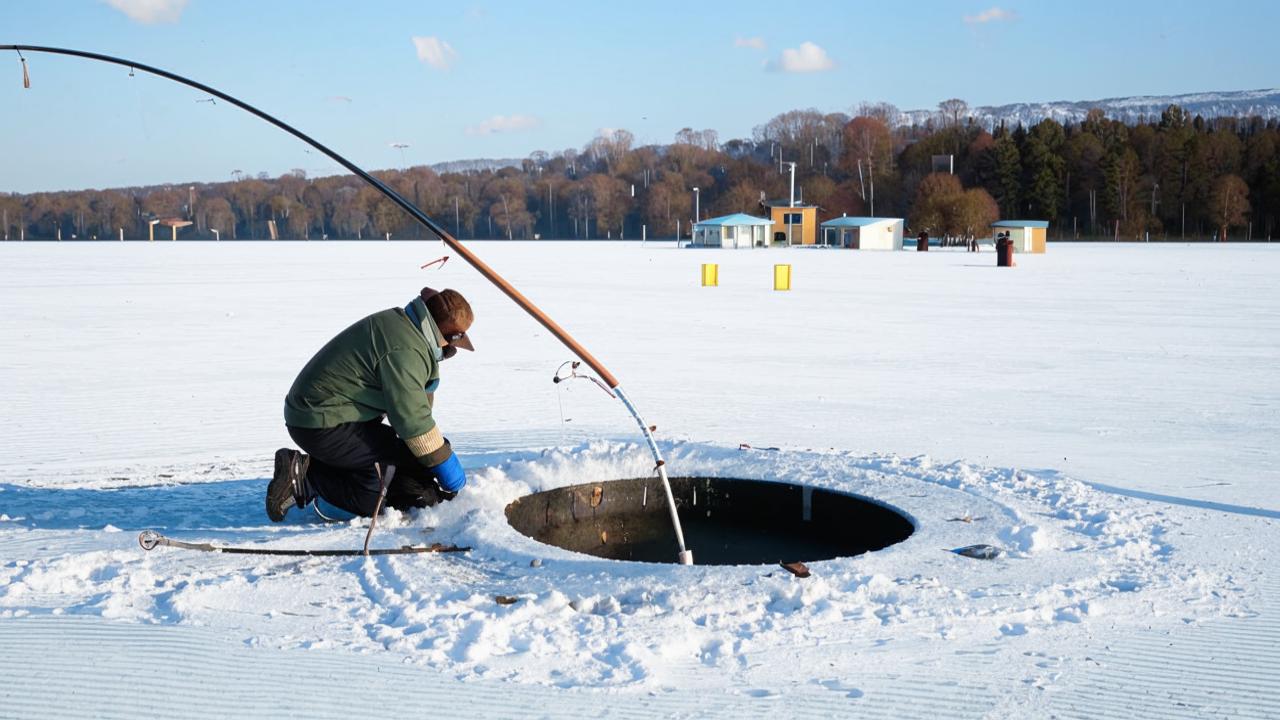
(384, 481)
(685, 556)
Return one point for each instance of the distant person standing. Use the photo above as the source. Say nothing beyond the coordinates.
(385, 365)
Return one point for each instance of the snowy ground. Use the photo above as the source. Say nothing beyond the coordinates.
(1106, 414)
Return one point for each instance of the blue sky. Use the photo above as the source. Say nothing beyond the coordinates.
(503, 79)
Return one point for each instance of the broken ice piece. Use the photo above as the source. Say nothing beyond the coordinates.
(796, 568)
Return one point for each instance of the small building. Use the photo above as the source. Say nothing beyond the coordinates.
(1028, 236)
(792, 224)
(863, 233)
(172, 223)
(738, 230)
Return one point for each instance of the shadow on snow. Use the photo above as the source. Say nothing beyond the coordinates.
(228, 505)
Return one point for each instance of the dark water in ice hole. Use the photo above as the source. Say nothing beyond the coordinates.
(725, 521)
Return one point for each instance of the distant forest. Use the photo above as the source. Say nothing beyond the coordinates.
(1168, 178)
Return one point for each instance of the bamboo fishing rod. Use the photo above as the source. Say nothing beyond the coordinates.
(685, 555)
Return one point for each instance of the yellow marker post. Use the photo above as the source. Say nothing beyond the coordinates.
(781, 277)
(710, 275)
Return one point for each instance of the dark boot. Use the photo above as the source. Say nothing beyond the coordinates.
(288, 483)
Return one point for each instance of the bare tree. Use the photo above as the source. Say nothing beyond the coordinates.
(868, 149)
(218, 215)
(936, 206)
(1229, 203)
(886, 113)
(975, 210)
(952, 111)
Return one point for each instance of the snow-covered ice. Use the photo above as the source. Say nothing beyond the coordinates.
(1104, 414)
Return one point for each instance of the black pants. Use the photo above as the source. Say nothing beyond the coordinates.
(342, 467)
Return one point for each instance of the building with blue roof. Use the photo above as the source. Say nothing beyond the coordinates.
(863, 233)
(738, 230)
(1028, 236)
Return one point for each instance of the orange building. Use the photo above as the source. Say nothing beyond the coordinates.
(792, 225)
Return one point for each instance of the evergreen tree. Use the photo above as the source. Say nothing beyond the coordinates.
(1085, 156)
(1046, 168)
(1008, 175)
(1171, 167)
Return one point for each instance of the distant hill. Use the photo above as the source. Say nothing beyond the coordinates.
(1236, 103)
(1131, 110)
(476, 165)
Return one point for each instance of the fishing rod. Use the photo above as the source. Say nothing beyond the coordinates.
(685, 555)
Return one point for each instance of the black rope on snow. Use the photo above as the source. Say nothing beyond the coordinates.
(150, 540)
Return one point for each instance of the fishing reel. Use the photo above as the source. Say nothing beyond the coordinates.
(149, 540)
(573, 365)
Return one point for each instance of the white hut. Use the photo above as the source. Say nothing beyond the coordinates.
(863, 233)
(738, 230)
(1028, 236)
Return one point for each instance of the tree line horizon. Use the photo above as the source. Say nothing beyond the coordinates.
(1172, 177)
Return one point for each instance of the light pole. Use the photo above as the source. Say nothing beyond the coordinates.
(791, 203)
(697, 197)
(400, 146)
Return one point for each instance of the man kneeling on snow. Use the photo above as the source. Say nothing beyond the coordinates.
(387, 364)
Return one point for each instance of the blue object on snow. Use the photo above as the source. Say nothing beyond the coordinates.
(979, 552)
(450, 474)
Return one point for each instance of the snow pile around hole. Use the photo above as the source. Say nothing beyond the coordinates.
(1074, 556)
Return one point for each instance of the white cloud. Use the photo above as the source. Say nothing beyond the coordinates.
(504, 123)
(150, 12)
(755, 43)
(991, 14)
(435, 52)
(805, 59)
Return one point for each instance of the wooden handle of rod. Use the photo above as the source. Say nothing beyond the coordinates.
(530, 308)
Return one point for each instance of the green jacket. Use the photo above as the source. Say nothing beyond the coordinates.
(383, 364)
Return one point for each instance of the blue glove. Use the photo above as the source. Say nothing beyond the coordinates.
(449, 474)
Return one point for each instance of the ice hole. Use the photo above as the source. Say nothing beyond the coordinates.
(725, 521)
